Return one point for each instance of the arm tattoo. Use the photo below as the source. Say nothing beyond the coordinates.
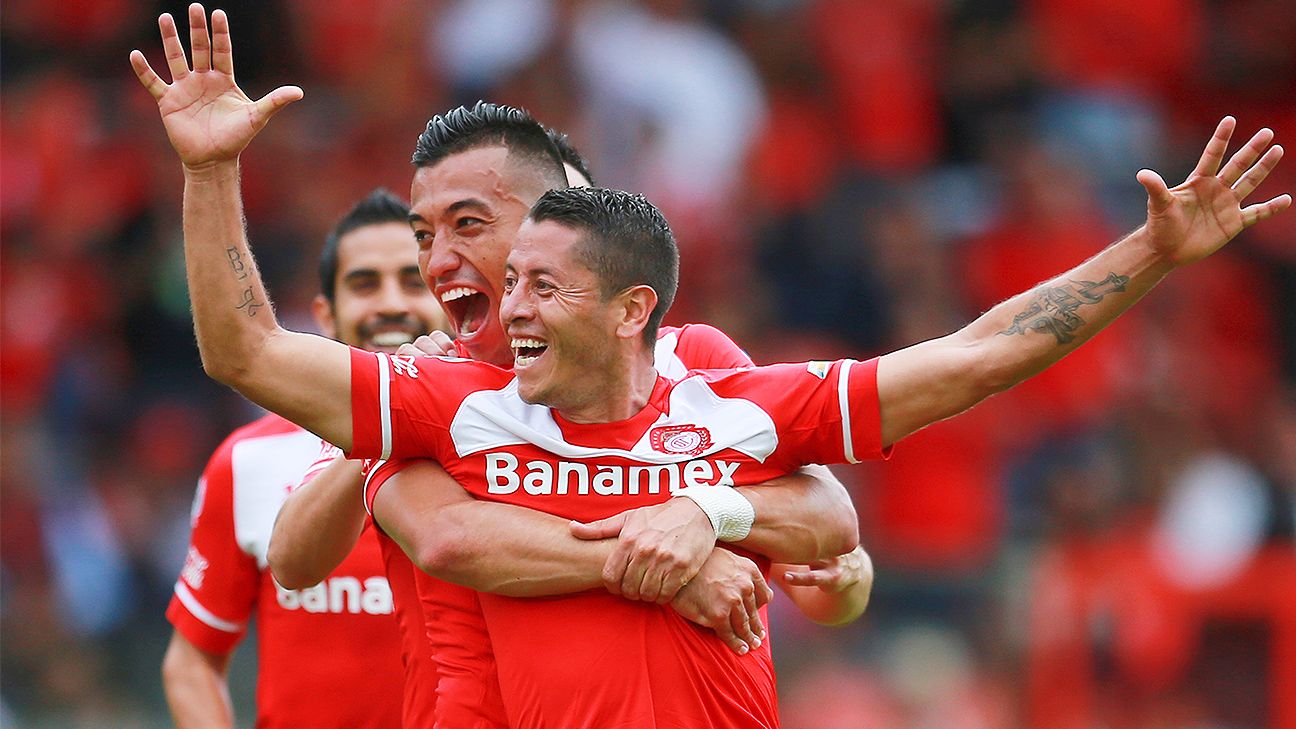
(1053, 308)
(249, 301)
(236, 262)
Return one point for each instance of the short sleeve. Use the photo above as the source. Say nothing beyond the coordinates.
(824, 412)
(328, 454)
(703, 347)
(376, 473)
(401, 407)
(218, 585)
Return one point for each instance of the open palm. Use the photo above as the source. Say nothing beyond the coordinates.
(207, 116)
(1196, 218)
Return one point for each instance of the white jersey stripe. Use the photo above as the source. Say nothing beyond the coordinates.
(198, 611)
(843, 401)
(384, 403)
(364, 489)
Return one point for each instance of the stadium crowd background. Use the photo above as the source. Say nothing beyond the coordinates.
(1109, 545)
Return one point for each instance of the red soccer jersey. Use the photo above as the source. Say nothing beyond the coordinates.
(592, 659)
(418, 707)
(468, 691)
(327, 655)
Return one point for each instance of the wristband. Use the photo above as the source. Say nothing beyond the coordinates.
(731, 514)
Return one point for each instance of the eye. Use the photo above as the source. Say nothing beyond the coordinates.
(509, 282)
(468, 222)
(423, 238)
(544, 287)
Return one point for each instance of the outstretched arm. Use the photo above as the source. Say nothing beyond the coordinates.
(1022, 336)
(209, 121)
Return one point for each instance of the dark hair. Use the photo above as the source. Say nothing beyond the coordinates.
(486, 124)
(567, 151)
(379, 206)
(627, 242)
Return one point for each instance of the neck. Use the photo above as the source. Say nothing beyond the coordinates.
(620, 396)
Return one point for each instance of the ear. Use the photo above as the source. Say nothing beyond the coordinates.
(636, 307)
(322, 311)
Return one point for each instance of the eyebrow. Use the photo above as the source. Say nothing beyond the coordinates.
(455, 207)
(359, 273)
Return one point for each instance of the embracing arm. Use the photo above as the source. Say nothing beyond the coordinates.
(209, 122)
(801, 517)
(1022, 336)
(498, 548)
(832, 591)
(317, 526)
(195, 685)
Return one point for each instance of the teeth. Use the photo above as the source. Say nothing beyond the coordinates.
(458, 293)
(520, 361)
(519, 343)
(391, 339)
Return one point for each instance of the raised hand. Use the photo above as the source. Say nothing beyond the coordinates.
(207, 116)
(1196, 218)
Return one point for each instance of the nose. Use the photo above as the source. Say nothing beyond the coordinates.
(439, 259)
(516, 305)
(391, 298)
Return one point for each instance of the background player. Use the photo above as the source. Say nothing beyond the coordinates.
(341, 626)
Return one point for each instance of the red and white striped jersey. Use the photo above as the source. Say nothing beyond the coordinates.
(592, 659)
(329, 655)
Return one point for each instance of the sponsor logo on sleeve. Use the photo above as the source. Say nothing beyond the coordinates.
(404, 365)
(819, 369)
(195, 569)
(684, 440)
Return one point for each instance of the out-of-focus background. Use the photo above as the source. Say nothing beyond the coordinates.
(1109, 545)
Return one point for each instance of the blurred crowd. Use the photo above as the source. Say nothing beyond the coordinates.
(1110, 544)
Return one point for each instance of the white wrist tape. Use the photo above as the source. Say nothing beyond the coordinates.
(731, 514)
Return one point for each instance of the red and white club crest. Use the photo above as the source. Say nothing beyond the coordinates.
(687, 440)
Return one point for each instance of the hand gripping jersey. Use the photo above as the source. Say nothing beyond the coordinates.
(468, 691)
(328, 656)
(418, 708)
(592, 659)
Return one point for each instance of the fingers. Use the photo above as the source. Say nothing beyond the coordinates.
(443, 341)
(672, 583)
(809, 578)
(1215, 148)
(601, 529)
(1246, 157)
(1255, 213)
(147, 76)
(726, 632)
(222, 48)
(409, 350)
(175, 55)
(741, 623)
(633, 580)
(270, 104)
(754, 623)
(199, 42)
(614, 569)
(1159, 197)
(1252, 178)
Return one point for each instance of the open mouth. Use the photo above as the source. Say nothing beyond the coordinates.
(391, 339)
(468, 309)
(527, 350)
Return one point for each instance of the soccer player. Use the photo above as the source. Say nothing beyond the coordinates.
(580, 344)
(329, 655)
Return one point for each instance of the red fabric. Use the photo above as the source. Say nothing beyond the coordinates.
(327, 656)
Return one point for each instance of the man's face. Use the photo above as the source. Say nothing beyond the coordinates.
(465, 211)
(380, 301)
(561, 330)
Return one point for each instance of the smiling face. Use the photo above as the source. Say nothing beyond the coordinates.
(465, 211)
(567, 350)
(380, 301)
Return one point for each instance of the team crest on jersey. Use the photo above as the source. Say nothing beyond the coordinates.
(684, 440)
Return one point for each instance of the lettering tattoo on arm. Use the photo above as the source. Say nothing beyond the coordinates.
(249, 304)
(1053, 308)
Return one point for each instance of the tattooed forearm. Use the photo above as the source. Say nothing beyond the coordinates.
(1053, 308)
(236, 262)
(249, 304)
